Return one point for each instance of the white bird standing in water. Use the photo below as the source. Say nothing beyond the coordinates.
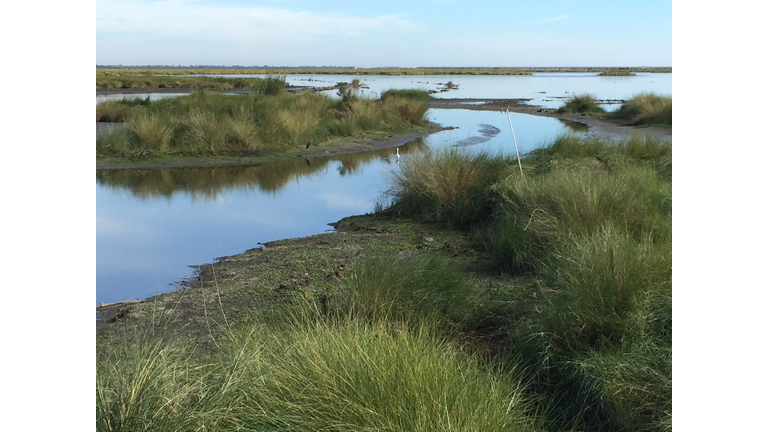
(398, 153)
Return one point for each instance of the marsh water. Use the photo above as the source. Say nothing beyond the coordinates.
(153, 224)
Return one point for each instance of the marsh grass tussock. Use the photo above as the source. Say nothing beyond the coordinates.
(357, 376)
(150, 133)
(645, 109)
(446, 185)
(307, 375)
(582, 103)
(408, 289)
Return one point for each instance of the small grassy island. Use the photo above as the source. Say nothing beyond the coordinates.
(266, 124)
(478, 297)
(617, 72)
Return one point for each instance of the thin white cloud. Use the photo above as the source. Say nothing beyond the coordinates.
(179, 18)
(554, 19)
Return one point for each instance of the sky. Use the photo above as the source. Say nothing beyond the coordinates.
(382, 33)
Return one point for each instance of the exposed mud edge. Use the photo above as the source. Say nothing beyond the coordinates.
(598, 126)
(354, 145)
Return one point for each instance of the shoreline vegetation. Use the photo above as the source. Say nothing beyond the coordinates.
(475, 297)
(640, 110)
(266, 125)
(107, 71)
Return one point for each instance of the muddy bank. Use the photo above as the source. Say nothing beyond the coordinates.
(598, 127)
(232, 288)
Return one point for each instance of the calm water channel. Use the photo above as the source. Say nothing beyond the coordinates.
(152, 224)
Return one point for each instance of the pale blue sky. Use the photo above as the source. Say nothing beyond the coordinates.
(375, 33)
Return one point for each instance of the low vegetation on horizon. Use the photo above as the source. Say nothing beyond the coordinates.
(149, 80)
(112, 72)
(485, 299)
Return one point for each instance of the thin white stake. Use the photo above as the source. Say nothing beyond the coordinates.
(515, 141)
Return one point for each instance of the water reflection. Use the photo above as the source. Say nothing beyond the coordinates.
(543, 89)
(208, 183)
(575, 126)
(153, 223)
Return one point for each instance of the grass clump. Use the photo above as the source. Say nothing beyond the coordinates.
(354, 376)
(448, 186)
(413, 94)
(143, 388)
(540, 214)
(119, 111)
(150, 133)
(645, 109)
(584, 103)
(272, 85)
(308, 375)
(424, 288)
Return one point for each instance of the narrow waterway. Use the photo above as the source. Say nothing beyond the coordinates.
(152, 224)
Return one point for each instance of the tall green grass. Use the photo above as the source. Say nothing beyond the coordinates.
(345, 375)
(410, 341)
(271, 85)
(213, 124)
(645, 109)
(144, 387)
(424, 288)
(411, 94)
(589, 224)
(582, 103)
(450, 186)
(542, 213)
(357, 376)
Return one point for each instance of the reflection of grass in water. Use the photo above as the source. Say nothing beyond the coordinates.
(209, 182)
(575, 126)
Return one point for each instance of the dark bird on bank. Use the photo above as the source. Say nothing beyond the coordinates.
(308, 144)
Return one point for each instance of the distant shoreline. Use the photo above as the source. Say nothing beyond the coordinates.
(237, 70)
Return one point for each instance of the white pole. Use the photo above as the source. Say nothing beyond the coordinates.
(517, 151)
